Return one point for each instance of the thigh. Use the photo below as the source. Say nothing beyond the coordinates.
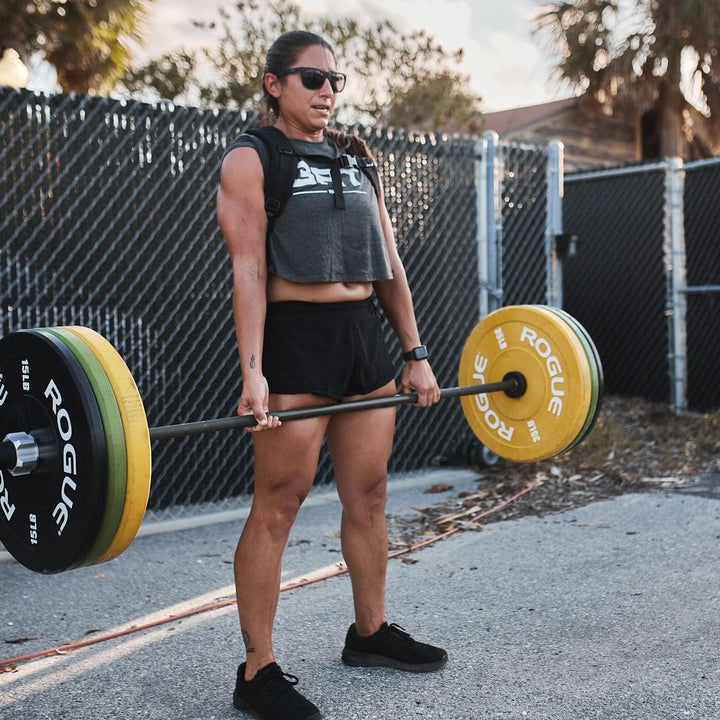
(360, 444)
(286, 457)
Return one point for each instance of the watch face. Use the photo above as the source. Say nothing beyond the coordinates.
(418, 353)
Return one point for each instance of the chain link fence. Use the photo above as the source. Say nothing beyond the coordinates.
(645, 280)
(519, 201)
(702, 291)
(107, 219)
(524, 211)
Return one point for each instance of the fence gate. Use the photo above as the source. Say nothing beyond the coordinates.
(646, 278)
(519, 220)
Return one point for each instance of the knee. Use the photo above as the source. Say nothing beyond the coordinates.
(278, 510)
(367, 498)
(285, 511)
(377, 493)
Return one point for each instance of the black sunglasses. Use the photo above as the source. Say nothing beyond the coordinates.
(314, 79)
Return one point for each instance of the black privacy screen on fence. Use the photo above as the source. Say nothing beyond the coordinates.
(646, 278)
(701, 203)
(615, 286)
(524, 214)
(107, 219)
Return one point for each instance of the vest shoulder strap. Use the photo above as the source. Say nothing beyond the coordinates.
(282, 170)
(365, 164)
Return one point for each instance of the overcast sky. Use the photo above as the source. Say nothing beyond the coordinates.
(506, 64)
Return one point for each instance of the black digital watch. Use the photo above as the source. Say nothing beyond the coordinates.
(418, 353)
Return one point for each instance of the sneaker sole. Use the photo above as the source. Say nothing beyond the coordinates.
(240, 704)
(358, 659)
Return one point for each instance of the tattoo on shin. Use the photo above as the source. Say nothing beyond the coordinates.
(246, 639)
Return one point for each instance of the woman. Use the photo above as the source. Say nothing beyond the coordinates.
(307, 332)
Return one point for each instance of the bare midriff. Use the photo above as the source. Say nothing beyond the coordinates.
(280, 290)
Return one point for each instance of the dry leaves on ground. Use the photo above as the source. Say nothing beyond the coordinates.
(635, 445)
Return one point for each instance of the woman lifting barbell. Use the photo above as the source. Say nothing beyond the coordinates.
(308, 331)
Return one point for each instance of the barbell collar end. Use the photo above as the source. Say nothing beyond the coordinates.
(19, 454)
(520, 384)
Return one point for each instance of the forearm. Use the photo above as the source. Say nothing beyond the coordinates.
(249, 308)
(396, 300)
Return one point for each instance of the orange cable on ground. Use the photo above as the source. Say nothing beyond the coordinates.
(341, 570)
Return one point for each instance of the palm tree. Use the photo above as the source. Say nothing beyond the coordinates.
(660, 56)
(88, 43)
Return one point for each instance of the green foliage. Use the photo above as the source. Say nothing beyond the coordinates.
(87, 41)
(20, 27)
(388, 71)
(431, 102)
(170, 75)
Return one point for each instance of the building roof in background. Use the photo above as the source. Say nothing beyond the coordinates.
(521, 118)
(591, 139)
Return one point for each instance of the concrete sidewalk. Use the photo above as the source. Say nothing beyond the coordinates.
(608, 611)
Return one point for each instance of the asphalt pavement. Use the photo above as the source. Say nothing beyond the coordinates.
(608, 611)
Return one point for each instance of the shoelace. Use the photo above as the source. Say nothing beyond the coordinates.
(395, 630)
(276, 682)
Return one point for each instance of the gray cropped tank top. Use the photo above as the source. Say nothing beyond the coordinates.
(315, 241)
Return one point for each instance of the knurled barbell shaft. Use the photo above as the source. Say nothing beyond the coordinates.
(243, 421)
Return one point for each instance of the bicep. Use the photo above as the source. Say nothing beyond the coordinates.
(241, 204)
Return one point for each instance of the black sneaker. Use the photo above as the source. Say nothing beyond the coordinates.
(391, 647)
(271, 695)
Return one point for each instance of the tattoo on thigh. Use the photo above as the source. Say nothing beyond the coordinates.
(246, 640)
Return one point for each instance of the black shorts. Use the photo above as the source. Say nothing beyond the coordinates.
(328, 349)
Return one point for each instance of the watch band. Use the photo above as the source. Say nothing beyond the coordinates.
(418, 353)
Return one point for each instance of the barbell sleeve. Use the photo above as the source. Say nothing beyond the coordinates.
(19, 453)
(243, 421)
(8, 456)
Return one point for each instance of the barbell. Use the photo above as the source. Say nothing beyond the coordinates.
(75, 461)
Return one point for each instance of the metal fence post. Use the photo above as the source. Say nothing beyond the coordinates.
(482, 239)
(675, 274)
(554, 223)
(489, 228)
